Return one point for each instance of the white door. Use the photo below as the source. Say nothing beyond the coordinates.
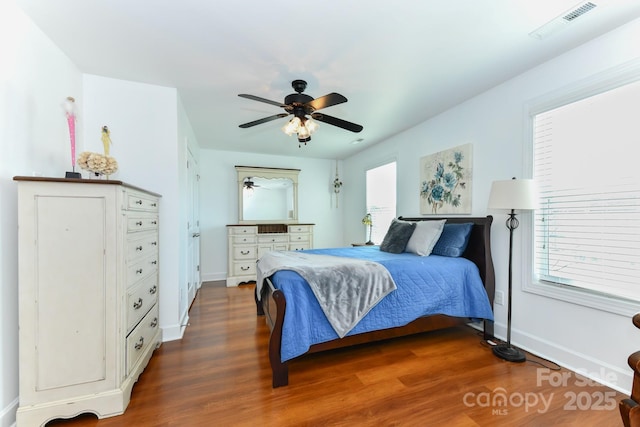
(193, 229)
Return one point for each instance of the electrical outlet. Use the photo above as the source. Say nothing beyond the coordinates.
(499, 298)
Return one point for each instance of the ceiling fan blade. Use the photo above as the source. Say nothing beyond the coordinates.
(257, 98)
(263, 120)
(326, 101)
(337, 122)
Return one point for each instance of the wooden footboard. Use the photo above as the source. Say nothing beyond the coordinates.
(272, 304)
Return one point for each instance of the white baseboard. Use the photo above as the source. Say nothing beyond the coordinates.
(616, 377)
(8, 414)
(173, 332)
(213, 277)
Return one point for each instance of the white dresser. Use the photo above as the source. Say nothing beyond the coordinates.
(88, 295)
(247, 243)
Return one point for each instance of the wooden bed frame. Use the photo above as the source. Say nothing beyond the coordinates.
(273, 304)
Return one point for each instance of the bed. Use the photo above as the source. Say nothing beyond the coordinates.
(298, 326)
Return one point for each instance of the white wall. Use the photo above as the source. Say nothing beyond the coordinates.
(219, 201)
(577, 337)
(143, 121)
(35, 78)
(187, 142)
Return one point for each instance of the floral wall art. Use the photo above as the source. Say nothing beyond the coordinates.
(445, 181)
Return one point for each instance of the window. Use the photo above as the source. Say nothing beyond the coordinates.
(381, 199)
(586, 230)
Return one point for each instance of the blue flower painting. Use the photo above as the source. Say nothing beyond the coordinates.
(446, 182)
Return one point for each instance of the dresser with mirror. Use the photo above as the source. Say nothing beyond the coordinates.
(267, 220)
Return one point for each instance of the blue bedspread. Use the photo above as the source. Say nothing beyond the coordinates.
(426, 285)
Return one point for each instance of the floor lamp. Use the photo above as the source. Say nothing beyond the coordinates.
(512, 194)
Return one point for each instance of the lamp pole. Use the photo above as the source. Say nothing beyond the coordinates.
(506, 351)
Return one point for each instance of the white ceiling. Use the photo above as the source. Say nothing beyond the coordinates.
(398, 63)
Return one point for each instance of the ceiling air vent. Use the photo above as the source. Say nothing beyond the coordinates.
(579, 11)
(561, 21)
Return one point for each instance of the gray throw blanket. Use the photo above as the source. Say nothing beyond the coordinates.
(346, 288)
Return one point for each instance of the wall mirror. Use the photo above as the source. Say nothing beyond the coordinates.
(267, 195)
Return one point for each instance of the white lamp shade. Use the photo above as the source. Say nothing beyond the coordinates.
(311, 125)
(510, 194)
(292, 126)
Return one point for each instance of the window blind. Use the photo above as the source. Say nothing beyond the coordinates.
(587, 224)
(381, 198)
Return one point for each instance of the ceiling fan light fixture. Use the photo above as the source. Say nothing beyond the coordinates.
(311, 126)
(248, 187)
(292, 126)
(301, 126)
(303, 132)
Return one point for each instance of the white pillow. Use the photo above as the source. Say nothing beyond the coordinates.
(425, 236)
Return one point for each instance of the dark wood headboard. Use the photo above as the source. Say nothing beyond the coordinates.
(479, 248)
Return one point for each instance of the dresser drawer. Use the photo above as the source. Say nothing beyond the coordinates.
(140, 202)
(139, 247)
(142, 337)
(299, 246)
(250, 229)
(244, 253)
(141, 223)
(295, 239)
(244, 268)
(142, 268)
(300, 229)
(273, 238)
(140, 299)
(243, 240)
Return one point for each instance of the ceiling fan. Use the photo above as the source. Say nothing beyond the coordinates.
(303, 108)
(249, 184)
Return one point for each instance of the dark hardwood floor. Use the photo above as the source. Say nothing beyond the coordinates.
(218, 375)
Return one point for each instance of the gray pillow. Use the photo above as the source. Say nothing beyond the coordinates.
(397, 237)
(425, 236)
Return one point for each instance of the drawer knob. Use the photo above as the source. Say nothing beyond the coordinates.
(154, 243)
(154, 262)
(138, 248)
(139, 271)
(154, 222)
(139, 223)
(153, 289)
(138, 202)
(137, 304)
(154, 322)
(139, 344)
(154, 204)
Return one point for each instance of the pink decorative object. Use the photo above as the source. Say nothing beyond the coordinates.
(69, 108)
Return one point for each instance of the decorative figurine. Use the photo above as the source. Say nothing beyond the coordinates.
(106, 140)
